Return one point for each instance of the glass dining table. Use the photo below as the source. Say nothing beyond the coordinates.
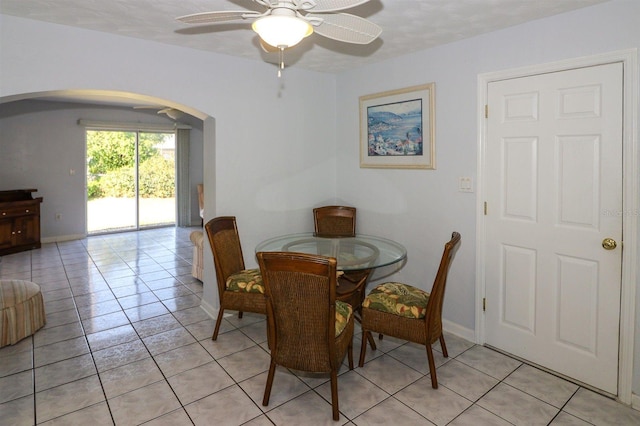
(359, 253)
(356, 257)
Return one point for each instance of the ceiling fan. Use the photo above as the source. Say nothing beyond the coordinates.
(172, 113)
(286, 22)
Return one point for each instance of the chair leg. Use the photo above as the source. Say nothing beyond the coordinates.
(218, 322)
(443, 346)
(363, 348)
(372, 342)
(432, 366)
(350, 354)
(267, 389)
(334, 395)
(240, 314)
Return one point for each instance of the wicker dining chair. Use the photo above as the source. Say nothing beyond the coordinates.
(307, 328)
(335, 221)
(409, 313)
(239, 289)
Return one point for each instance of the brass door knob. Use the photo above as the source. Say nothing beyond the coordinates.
(609, 244)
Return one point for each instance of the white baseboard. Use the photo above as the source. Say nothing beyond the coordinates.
(213, 311)
(458, 330)
(61, 238)
(210, 310)
(635, 401)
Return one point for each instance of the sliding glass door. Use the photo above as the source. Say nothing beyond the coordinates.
(131, 180)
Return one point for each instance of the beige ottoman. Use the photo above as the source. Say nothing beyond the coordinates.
(22, 310)
(197, 238)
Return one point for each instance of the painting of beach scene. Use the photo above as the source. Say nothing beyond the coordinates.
(397, 129)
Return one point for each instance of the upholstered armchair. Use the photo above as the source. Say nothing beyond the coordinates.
(197, 238)
(197, 265)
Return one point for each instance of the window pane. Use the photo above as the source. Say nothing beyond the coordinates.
(111, 196)
(157, 179)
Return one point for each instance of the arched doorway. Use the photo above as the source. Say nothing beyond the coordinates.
(63, 217)
(205, 175)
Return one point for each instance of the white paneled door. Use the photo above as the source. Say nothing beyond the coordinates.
(554, 221)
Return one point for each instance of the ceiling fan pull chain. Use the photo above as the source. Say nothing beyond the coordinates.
(281, 66)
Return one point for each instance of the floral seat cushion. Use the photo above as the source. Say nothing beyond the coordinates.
(246, 281)
(343, 314)
(398, 299)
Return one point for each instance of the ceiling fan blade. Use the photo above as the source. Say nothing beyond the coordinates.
(174, 114)
(220, 16)
(345, 27)
(335, 5)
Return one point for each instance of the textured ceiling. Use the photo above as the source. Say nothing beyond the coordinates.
(407, 25)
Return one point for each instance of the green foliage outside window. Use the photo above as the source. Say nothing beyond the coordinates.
(111, 165)
(157, 178)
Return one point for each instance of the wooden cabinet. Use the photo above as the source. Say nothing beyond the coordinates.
(19, 221)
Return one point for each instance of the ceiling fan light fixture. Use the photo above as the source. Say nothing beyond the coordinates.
(282, 31)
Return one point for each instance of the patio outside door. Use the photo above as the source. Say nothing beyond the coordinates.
(130, 180)
(554, 211)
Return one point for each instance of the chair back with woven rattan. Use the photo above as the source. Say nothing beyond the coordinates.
(301, 317)
(433, 316)
(301, 294)
(225, 245)
(335, 221)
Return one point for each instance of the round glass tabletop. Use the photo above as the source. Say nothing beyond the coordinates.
(352, 253)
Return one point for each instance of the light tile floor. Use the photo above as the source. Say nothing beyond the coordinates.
(126, 343)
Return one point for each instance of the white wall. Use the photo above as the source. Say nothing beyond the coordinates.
(278, 153)
(421, 207)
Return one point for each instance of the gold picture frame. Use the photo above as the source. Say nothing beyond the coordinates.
(397, 129)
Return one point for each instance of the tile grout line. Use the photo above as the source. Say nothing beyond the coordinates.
(43, 263)
(152, 356)
(91, 352)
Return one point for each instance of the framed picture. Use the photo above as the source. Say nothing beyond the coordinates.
(397, 129)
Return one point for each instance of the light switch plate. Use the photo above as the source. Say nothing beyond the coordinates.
(465, 184)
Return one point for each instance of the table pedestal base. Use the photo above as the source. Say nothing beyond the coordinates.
(351, 289)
